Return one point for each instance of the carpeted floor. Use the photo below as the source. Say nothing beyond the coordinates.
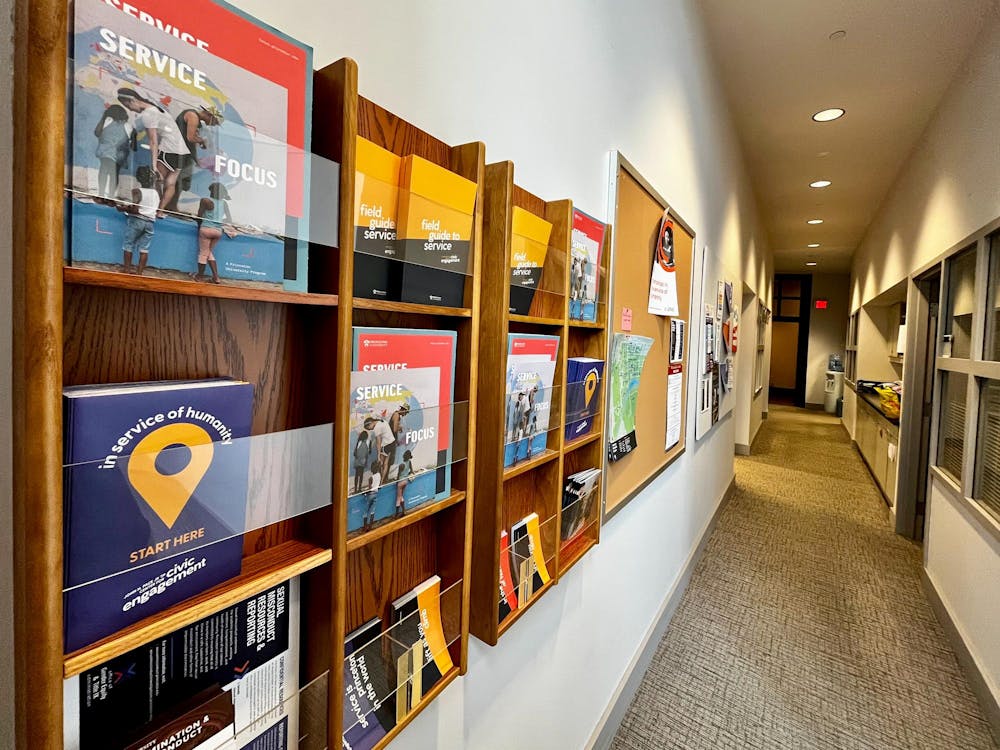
(805, 624)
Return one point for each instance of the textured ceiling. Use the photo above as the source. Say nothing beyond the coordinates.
(779, 66)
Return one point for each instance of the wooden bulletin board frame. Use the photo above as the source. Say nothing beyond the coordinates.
(636, 208)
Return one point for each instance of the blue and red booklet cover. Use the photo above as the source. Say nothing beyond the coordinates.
(154, 499)
(416, 369)
(189, 144)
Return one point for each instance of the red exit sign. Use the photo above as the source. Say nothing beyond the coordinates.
(821, 304)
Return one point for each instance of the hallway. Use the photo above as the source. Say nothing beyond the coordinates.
(805, 624)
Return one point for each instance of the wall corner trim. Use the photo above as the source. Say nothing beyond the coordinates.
(607, 726)
(988, 702)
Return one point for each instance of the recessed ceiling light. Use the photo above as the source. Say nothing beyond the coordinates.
(814, 221)
(839, 34)
(820, 184)
(813, 244)
(827, 115)
(823, 154)
(811, 263)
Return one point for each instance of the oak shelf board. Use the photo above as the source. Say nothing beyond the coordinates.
(572, 445)
(586, 324)
(416, 516)
(576, 550)
(517, 613)
(426, 699)
(525, 466)
(133, 282)
(536, 320)
(260, 572)
(363, 303)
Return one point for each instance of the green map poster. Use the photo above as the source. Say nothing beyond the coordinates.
(628, 355)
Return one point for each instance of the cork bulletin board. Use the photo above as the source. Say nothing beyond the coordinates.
(637, 210)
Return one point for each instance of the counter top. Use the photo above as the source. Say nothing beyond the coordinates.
(875, 402)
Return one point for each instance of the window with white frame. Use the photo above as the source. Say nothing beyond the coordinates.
(968, 374)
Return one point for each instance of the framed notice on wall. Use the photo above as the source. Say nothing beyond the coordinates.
(651, 267)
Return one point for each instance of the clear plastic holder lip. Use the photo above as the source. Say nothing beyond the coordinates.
(528, 408)
(388, 480)
(272, 716)
(267, 182)
(218, 491)
(431, 233)
(372, 670)
(584, 398)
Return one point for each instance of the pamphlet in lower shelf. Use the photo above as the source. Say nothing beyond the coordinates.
(526, 545)
(387, 673)
(581, 494)
(207, 684)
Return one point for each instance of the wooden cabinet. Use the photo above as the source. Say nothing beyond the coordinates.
(878, 440)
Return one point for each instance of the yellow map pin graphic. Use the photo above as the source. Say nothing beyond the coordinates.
(167, 494)
(589, 386)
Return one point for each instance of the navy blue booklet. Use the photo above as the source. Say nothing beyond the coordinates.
(154, 498)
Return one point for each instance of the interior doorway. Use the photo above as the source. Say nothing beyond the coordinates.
(790, 338)
(915, 423)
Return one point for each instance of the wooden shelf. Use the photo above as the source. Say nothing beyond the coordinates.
(586, 324)
(536, 320)
(260, 572)
(414, 516)
(525, 466)
(519, 612)
(361, 303)
(896, 360)
(113, 280)
(580, 442)
(446, 679)
(576, 549)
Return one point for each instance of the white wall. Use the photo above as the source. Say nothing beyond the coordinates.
(554, 86)
(948, 189)
(6, 540)
(963, 559)
(827, 330)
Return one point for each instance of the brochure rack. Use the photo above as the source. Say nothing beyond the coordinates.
(534, 484)
(375, 567)
(77, 326)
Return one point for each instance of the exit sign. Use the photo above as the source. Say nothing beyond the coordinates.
(821, 304)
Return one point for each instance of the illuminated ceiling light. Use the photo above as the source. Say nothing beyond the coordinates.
(813, 244)
(828, 115)
(820, 184)
(811, 263)
(814, 221)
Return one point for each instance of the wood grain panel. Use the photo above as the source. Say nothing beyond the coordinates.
(392, 132)
(39, 78)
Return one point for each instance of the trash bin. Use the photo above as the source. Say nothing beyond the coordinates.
(833, 391)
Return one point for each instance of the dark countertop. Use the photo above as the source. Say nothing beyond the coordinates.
(875, 402)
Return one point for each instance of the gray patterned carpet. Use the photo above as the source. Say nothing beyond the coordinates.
(805, 625)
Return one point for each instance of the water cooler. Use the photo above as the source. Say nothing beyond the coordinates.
(833, 391)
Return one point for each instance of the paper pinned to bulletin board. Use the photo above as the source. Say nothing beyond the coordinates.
(649, 234)
(719, 340)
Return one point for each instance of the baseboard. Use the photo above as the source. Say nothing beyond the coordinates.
(815, 407)
(987, 701)
(742, 450)
(607, 727)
